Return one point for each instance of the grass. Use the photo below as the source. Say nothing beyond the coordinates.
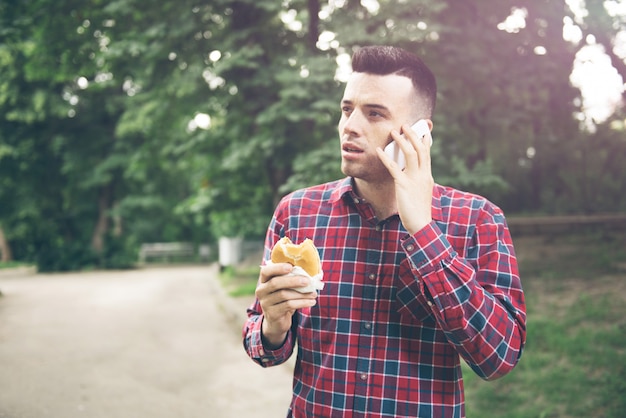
(11, 264)
(574, 363)
(240, 281)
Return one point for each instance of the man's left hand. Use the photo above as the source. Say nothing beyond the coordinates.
(414, 184)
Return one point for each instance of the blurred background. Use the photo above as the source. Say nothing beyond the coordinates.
(132, 129)
(125, 122)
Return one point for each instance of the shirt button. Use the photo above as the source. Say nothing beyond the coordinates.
(410, 247)
(379, 228)
(372, 276)
(363, 376)
(261, 352)
(429, 303)
(367, 325)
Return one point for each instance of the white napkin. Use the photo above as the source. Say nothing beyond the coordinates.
(315, 284)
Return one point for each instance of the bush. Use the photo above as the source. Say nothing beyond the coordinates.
(119, 253)
(62, 255)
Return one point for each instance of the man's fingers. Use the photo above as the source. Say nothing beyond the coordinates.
(289, 300)
(416, 148)
(288, 282)
(407, 143)
(387, 161)
(272, 270)
(275, 278)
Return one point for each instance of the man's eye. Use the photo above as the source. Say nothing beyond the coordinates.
(346, 109)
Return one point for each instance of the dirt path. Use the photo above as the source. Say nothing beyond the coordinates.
(144, 343)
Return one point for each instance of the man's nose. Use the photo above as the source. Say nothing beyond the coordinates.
(353, 124)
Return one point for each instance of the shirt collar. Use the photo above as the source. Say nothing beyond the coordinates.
(345, 188)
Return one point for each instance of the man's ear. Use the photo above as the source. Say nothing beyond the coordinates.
(430, 124)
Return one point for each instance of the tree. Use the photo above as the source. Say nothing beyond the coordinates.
(506, 125)
(124, 122)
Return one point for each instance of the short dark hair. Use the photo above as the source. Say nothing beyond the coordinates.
(385, 60)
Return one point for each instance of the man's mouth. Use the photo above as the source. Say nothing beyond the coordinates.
(352, 148)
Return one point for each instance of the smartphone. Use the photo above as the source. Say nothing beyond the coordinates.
(392, 150)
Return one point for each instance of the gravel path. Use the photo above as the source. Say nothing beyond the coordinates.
(153, 342)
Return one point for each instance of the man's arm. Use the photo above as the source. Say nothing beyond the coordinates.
(267, 334)
(479, 305)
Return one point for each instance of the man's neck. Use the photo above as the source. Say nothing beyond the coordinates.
(380, 196)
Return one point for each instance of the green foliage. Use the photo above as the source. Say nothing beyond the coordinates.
(318, 166)
(61, 255)
(98, 100)
(480, 178)
(119, 253)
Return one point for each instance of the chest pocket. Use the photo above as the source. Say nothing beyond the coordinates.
(411, 304)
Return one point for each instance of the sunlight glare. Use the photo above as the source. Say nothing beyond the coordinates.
(372, 6)
(515, 22)
(344, 67)
(600, 84)
(202, 120)
(82, 83)
(215, 55)
(326, 41)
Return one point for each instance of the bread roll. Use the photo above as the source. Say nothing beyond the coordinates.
(302, 255)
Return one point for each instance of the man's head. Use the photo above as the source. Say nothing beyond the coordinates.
(385, 60)
(389, 88)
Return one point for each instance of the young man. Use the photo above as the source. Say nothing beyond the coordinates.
(417, 275)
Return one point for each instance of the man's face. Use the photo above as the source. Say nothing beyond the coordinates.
(372, 106)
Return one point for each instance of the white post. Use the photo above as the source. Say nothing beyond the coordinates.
(230, 250)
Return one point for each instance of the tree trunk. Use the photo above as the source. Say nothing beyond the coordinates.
(102, 224)
(5, 248)
(314, 22)
(117, 222)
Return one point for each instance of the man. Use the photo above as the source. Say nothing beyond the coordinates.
(417, 275)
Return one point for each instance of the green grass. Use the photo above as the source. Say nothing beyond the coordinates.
(240, 281)
(12, 264)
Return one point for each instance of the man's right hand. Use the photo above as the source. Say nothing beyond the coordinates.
(279, 301)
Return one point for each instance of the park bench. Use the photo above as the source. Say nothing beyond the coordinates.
(165, 250)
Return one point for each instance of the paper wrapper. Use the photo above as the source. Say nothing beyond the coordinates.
(316, 282)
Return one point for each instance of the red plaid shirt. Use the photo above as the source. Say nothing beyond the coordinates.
(398, 311)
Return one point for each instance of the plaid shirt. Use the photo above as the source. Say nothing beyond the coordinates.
(398, 311)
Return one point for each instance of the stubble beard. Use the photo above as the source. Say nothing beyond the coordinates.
(373, 172)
